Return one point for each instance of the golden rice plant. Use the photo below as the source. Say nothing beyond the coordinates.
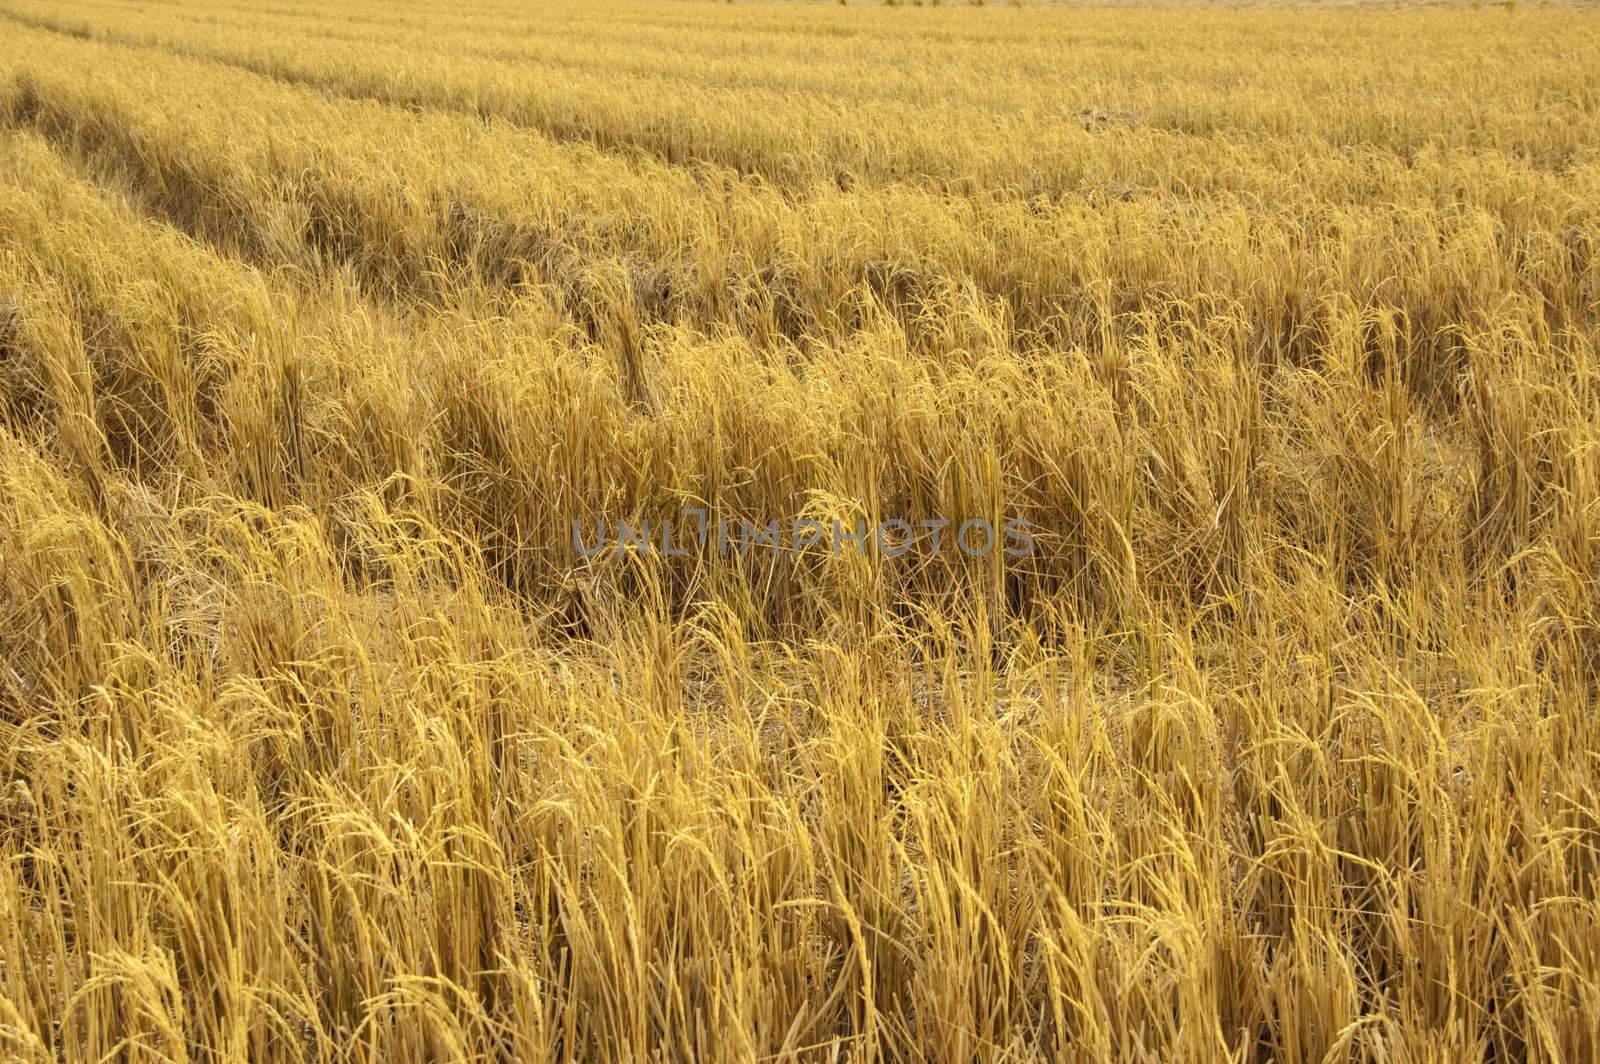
(331, 339)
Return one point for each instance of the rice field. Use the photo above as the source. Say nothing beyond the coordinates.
(668, 530)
